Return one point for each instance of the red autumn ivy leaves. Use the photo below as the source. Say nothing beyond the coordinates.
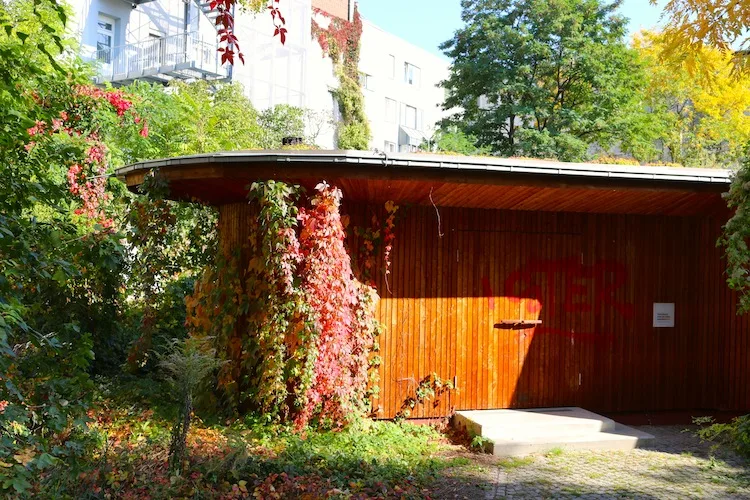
(295, 327)
(278, 21)
(344, 313)
(229, 43)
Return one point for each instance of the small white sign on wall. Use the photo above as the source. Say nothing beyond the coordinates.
(664, 315)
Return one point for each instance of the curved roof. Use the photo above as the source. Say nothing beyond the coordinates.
(461, 181)
(445, 162)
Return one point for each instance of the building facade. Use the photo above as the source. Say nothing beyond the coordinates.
(163, 40)
(400, 84)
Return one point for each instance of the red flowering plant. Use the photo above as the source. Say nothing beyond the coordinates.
(59, 271)
(76, 131)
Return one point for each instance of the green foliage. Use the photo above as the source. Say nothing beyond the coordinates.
(200, 117)
(736, 234)
(130, 442)
(191, 118)
(169, 242)
(59, 288)
(186, 363)
(453, 140)
(355, 135)
(429, 388)
(354, 131)
(279, 122)
(480, 443)
(553, 77)
(735, 434)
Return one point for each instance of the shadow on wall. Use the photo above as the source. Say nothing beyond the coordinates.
(572, 295)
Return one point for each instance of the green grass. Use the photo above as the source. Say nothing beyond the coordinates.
(554, 452)
(573, 490)
(515, 462)
(368, 458)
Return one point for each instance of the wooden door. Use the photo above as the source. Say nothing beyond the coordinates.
(507, 282)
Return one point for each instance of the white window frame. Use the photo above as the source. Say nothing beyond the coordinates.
(391, 118)
(104, 31)
(406, 122)
(366, 82)
(390, 147)
(412, 74)
(392, 65)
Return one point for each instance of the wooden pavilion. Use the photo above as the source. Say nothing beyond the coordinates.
(530, 283)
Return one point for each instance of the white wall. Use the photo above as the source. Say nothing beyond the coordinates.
(296, 73)
(387, 81)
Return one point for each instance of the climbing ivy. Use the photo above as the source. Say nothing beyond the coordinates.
(344, 312)
(295, 329)
(341, 42)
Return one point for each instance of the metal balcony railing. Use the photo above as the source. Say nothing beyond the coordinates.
(180, 56)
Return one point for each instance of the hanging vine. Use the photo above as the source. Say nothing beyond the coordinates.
(295, 328)
(344, 312)
(341, 41)
(370, 239)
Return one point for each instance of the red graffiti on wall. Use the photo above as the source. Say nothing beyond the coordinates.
(568, 286)
(584, 288)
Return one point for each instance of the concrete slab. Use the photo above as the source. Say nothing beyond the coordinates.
(522, 432)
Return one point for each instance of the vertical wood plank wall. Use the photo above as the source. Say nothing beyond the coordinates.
(591, 279)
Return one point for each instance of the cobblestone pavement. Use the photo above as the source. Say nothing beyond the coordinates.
(677, 466)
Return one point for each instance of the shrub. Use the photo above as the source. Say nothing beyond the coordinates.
(735, 434)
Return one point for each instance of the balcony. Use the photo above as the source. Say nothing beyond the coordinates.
(185, 57)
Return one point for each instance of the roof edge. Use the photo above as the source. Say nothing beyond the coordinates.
(447, 162)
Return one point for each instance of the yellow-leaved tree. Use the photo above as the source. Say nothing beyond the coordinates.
(705, 120)
(692, 25)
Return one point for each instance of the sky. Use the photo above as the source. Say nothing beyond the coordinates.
(428, 23)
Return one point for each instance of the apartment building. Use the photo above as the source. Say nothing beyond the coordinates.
(400, 84)
(162, 40)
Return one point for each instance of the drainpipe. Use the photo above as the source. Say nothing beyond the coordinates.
(186, 26)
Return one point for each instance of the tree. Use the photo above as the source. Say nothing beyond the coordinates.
(452, 140)
(191, 118)
(701, 123)
(695, 24)
(279, 122)
(60, 255)
(541, 78)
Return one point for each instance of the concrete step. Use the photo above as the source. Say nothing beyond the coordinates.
(562, 420)
(622, 438)
(521, 432)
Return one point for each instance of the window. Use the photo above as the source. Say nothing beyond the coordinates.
(390, 110)
(105, 35)
(365, 81)
(391, 66)
(411, 74)
(335, 106)
(410, 117)
(390, 147)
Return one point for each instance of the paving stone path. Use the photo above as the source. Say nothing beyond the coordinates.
(678, 466)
